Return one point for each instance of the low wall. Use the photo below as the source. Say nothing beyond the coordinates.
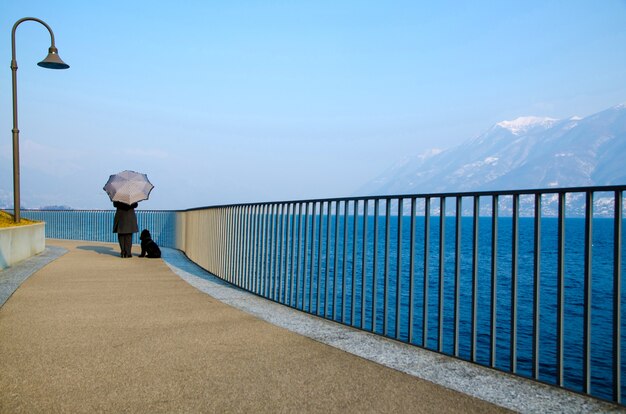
(21, 242)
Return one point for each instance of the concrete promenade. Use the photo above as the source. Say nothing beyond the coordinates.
(91, 332)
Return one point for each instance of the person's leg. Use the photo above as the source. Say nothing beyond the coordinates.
(128, 244)
(120, 239)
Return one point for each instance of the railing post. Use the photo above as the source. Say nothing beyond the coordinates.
(494, 279)
(560, 290)
(426, 272)
(587, 297)
(536, 286)
(617, 298)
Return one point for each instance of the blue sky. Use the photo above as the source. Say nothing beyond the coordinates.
(241, 101)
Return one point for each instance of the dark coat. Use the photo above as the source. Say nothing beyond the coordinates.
(125, 220)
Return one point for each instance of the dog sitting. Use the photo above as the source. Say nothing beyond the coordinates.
(148, 247)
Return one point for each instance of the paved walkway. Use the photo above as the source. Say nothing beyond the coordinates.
(91, 332)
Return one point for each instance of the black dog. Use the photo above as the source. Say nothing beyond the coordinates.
(148, 246)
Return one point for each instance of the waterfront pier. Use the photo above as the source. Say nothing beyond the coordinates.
(91, 332)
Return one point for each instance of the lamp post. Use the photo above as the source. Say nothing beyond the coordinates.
(52, 61)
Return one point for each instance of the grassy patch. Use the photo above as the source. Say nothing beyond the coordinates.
(6, 220)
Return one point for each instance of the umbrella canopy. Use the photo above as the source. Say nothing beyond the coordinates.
(128, 187)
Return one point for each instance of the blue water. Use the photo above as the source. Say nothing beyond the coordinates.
(326, 295)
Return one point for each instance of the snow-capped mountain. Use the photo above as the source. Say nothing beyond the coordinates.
(528, 152)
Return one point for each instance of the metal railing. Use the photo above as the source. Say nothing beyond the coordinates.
(97, 225)
(527, 282)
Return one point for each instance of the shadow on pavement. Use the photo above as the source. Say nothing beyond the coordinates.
(101, 250)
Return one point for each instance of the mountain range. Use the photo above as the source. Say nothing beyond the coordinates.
(525, 153)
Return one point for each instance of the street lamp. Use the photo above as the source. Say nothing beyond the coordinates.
(52, 61)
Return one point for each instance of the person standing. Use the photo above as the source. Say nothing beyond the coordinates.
(125, 224)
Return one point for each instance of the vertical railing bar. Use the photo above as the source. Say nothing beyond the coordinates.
(494, 279)
(271, 252)
(229, 244)
(288, 257)
(375, 267)
(252, 220)
(255, 246)
(264, 250)
(226, 237)
(475, 218)
(295, 252)
(311, 270)
(232, 243)
(286, 250)
(411, 270)
(617, 301)
(344, 261)
(276, 255)
(238, 246)
(514, 269)
(399, 268)
(216, 240)
(457, 273)
(225, 256)
(292, 246)
(221, 252)
(364, 266)
(336, 259)
(426, 271)
(442, 258)
(306, 255)
(316, 282)
(248, 236)
(278, 278)
(244, 241)
(213, 241)
(386, 261)
(329, 208)
(298, 257)
(319, 259)
(230, 231)
(560, 290)
(216, 227)
(355, 227)
(262, 244)
(271, 248)
(588, 291)
(267, 246)
(276, 252)
(537, 287)
(278, 266)
(209, 221)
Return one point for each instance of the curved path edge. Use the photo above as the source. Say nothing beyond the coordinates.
(506, 390)
(12, 277)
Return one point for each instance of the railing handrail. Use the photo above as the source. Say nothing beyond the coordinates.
(551, 190)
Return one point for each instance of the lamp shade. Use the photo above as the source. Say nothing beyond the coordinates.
(53, 61)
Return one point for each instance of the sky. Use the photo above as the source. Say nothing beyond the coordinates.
(224, 102)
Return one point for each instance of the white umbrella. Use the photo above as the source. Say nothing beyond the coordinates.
(128, 187)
